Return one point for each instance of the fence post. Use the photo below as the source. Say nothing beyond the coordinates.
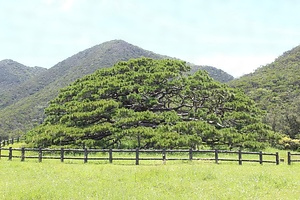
(85, 155)
(110, 155)
(40, 154)
(190, 154)
(240, 157)
(260, 158)
(277, 158)
(164, 155)
(289, 158)
(216, 156)
(137, 156)
(62, 155)
(10, 153)
(22, 154)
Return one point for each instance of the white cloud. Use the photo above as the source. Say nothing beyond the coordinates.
(64, 5)
(67, 5)
(49, 2)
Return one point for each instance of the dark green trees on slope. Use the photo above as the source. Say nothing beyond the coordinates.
(276, 89)
(151, 104)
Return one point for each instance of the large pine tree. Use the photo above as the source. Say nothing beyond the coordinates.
(151, 104)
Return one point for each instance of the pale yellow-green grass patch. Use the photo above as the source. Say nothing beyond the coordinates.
(175, 180)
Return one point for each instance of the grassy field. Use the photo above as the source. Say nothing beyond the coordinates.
(175, 180)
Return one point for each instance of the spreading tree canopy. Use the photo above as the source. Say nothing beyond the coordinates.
(150, 103)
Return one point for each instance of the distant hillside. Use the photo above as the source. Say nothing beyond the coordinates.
(13, 74)
(23, 106)
(215, 73)
(276, 89)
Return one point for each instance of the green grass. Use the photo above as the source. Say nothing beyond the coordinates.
(175, 180)
(52, 179)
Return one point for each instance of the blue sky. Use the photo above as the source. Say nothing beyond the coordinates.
(237, 36)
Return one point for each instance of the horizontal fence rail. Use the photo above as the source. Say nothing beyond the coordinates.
(293, 157)
(139, 155)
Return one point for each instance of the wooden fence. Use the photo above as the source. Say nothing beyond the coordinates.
(138, 155)
(9, 141)
(290, 157)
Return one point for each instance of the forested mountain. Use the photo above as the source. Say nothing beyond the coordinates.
(276, 89)
(23, 107)
(13, 74)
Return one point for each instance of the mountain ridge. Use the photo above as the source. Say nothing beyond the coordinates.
(14, 73)
(22, 108)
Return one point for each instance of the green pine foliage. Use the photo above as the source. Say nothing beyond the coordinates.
(150, 103)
